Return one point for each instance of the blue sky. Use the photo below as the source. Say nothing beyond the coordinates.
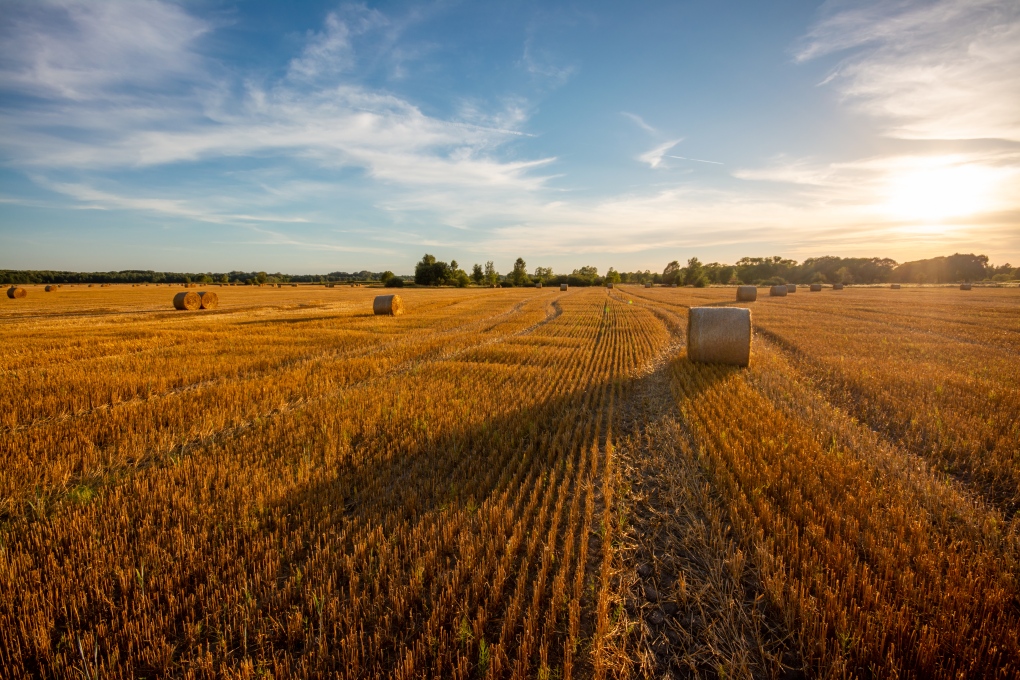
(313, 137)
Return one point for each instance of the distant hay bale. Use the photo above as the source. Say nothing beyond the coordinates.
(895, 286)
(209, 299)
(538, 285)
(609, 286)
(672, 285)
(50, 289)
(791, 288)
(293, 285)
(816, 287)
(837, 286)
(563, 287)
(90, 285)
(719, 335)
(187, 300)
(648, 285)
(747, 293)
(390, 305)
(16, 292)
(778, 291)
(965, 286)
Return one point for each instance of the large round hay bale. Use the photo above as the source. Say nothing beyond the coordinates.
(209, 299)
(391, 305)
(538, 285)
(747, 293)
(648, 285)
(50, 289)
(563, 287)
(895, 286)
(816, 287)
(837, 286)
(187, 300)
(965, 286)
(778, 291)
(719, 335)
(609, 285)
(16, 292)
(791, 288)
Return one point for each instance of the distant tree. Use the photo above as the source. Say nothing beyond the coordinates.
(519, 276)
(431, 272)
(386, 276)
(612, 276)
(394, 282)
(694, 274)
(544, 274)
(671, 272)
(261, 277)
(477, 275)
(491, 275)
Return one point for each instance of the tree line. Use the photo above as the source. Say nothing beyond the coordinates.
(23, 276)
(432, 272)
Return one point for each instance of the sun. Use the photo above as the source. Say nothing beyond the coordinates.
(939, 191)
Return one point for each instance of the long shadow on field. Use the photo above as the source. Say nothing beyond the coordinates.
(412, 515)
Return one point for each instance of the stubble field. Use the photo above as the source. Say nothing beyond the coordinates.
(508, 483)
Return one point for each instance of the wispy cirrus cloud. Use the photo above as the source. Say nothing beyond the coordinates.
(640, 122)
(948, 69)
(96, 115)
(653, 157)
(86, 50)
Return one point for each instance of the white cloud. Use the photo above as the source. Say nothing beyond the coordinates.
(640, 122)
(654, 156)
(311, 116)
(83, 50)
(929, 70)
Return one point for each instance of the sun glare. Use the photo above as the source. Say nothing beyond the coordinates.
(940, 192)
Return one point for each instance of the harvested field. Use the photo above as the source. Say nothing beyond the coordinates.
(509, 483)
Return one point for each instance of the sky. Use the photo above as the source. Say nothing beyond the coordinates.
(321, 136)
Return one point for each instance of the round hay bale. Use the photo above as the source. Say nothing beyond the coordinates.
(895, 286)
(747, 293)
(390, 305)
(209, 299)
(293, 285)
(609, 286)
(50, 289)
(648, 285)
(791, 288)
(672, 285)
(778, 291)
(816, 287)
(719, 335)
(187, 300)
(563, 287)
(538, 285)
(837, 286)
(16, 292)
(90, 285)
(965, 286)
